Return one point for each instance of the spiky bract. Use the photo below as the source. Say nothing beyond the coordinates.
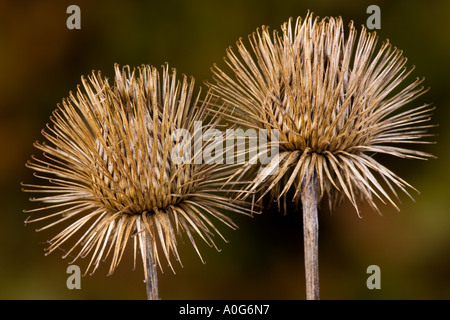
(108, 171)
(335, 101)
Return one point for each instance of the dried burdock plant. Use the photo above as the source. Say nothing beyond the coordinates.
(109, 176)
(335, 101)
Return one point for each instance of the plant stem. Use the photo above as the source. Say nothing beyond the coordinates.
(311, 237)
(148, 258)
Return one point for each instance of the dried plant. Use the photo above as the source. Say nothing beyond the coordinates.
(334, 107)
(108, 172)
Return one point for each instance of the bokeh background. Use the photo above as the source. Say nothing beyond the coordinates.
(41, 61)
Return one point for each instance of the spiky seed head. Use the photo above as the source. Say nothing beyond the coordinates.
(108, 174)
(335, 101)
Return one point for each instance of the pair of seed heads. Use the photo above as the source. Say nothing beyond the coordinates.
(335, 100)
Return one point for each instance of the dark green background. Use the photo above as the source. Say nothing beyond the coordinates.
(41, 61)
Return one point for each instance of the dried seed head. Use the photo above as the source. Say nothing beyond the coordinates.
(335, 102)
(109, 174)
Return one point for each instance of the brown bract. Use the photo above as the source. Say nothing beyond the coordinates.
(108, 176)
(336, 101)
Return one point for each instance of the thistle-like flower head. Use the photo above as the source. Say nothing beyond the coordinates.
(334, 99)
(108, 173)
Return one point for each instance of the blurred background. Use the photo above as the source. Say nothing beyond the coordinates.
(41, 61)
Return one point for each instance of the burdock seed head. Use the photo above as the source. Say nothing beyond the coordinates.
(108, 175)
(335, 100)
